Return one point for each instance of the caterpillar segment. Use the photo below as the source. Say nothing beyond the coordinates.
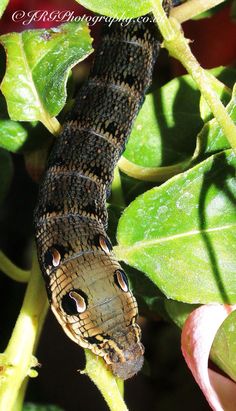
(87, 288)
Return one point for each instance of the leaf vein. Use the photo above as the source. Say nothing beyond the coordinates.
(148, 243)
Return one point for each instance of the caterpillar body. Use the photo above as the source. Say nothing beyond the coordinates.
(87, 288)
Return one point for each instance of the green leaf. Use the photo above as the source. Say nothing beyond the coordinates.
(179, 312)
(22, 137)
(3, 6)
(121, 9)
(182, 234)
(164, 135)
(165, 130)
(38, 65)
(36, 407)
(223, 351)
(6, 172)
(12, 135)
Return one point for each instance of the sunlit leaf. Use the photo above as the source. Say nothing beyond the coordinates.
(38, 65)
(164, 137)
(183, 233)
(12, 135)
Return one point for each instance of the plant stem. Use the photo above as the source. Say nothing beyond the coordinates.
(193, 8)
(116, 189)
(110, 387)
(3, 5)
(156, 174)
(20, 397)
(12, 271)
(51, 123)
(17, 359)
(178, 47)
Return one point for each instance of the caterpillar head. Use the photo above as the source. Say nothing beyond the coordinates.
(98, 311)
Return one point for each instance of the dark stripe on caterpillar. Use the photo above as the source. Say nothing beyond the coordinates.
(88, 290)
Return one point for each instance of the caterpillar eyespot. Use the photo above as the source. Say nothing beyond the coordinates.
(52, 257)
(121, 280)
(56, 257)
(74, 302)
(105, 244)
(71, 217)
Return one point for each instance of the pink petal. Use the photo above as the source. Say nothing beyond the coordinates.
(198, 335)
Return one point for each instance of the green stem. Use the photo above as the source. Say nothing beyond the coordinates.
(20, 397)
(51, 123)
(162, 20)
(110, 387)
(18, 357)
(12, 271)
(193, 8)
(156, 174)
(3, 6)
(218, 85)
(178, 47)
(116, 189)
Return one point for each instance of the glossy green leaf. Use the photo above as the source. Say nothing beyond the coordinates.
(38, 65)
(149, 297)
(160, 137)
(164, 135)
(121, 9)
(223, 351)
(182, 234)
(12, 135)
(22, 137)
(6, 172)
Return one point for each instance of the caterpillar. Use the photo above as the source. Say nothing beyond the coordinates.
(87, 288)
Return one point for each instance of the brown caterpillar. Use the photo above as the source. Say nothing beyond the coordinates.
(87, 288)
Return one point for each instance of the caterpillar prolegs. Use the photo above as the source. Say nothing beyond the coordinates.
(87, 288)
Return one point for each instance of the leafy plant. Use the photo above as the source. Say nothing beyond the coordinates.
(176, 191)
